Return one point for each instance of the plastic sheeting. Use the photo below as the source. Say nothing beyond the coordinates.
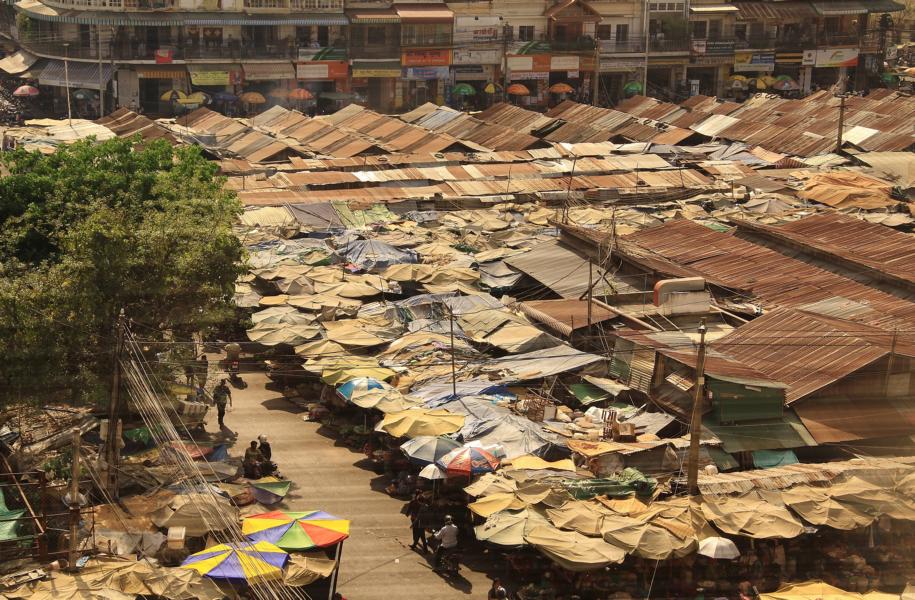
(629, 482)
(374, 255)
(571, 550)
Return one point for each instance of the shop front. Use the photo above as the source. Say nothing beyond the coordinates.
(667, 73)
(327, 82)
(709, 66)
(272, 80)
(155, 81)
(375, 81)
(425, 77)
(828, 66)
(533, 72)
(752, 64)
(615, 74)
(568, 69)
(77, 75)
(476, 68)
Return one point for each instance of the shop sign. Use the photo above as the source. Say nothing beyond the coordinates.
(572, 74)
(709, 61)
(164, 56)
(313, 54)
(528, 75)
(215, 77)
(712, 47)
(467, 56)
(809, 58)
(425, 73)
(837, 57)
(610, 65)
(472, 72)
(563, 63)
(789, 58)
(534, 62)
(426, 58)
(376, 72)
(892, 52)
(754, 61)
(477, 29)
(539, 47)
(327, 69)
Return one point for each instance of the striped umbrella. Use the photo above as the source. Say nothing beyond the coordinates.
(269, 490)
(468, 461)
(427, 449)
(239, 563)
(296, 531)
(360, 385)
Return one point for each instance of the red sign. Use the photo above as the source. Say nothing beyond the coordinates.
(426, 58)
(163, 56)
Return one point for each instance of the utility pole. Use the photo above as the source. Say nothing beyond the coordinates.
(113, 439)
(453, 366)
(647, 34)
(101, 84)
(67, 81)
(841, 123)
(890, 365)
(590, 287)
(74, 503)
(695, 426)
(596, 82)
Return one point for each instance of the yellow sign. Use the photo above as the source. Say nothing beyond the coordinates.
(210, 77)
(376, 72)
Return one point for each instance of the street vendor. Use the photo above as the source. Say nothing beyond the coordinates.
(252, 462)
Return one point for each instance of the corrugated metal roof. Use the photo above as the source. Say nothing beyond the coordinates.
(838, 419)
(565, 316)
(556, 267)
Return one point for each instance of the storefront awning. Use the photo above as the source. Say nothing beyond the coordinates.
(37, 10)
(18, 62)
(837, 8)
(161, 72)
(261, 71)
(424, 13)
(713, 9)
(78, 74)
(374, 16)
(792, 10)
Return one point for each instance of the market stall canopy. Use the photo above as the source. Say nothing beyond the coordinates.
(491, 483)
(507, 528)
(305, 570)
(274, 334)
(489, 505)
(387, 401)
(846, 189)
(813, 590)
(360, 385)
(288, 315)
(468, 461)
(18, 62)
(269, 490)
(251, 563)
(428, 449)
(817, 507)
(199, 514)
(296, 531)
(572, 550)
(645, 540)
(719, 548)
(417, 422)
(751, 516)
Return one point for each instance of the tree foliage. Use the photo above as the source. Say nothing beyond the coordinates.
(97, 227)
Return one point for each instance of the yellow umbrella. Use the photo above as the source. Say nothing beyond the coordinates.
(387, 401)
(737, 78)
(252, 98)
(416, 422)
(167, 96)
(767, 79)
(198, 97)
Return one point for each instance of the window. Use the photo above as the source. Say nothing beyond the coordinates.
(622, 32)
(526, 33)
(714, 30)
(605, 32)
(426, 34)
(699, 29)
(740, 31)
(376, 35)
(666, 6)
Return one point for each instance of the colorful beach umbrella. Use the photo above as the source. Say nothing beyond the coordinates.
(25, 91)
(518, 89)
(301, 94)
(491, 88)
(269, 490)
(468, 461)
(427, 449)
(768, 79)
(359, 385)
(784, 85)
(296, 531)
(250, 563)
(463, 89)
(561, 88)
(198, 97)
(252, 98)
(633, 87)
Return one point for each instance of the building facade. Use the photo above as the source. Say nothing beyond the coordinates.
(394, 55)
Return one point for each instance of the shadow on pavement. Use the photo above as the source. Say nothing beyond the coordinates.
(282, 404)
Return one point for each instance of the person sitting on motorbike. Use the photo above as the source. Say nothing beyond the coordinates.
(252, 462)
(267, 466)
(447, 537)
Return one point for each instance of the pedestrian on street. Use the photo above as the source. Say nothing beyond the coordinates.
(416, 511)
(203, 368)
(222, 396)
(447, 537)
(252, 462)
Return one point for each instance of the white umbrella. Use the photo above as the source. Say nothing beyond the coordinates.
(432, 471)
(718, 547)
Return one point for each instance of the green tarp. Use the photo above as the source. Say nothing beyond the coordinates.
(587, 393)
(767, 459)
(9, 521)
(629, 482)
(360, 219)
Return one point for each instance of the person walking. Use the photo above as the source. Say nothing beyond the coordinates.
(222, 396)
(203, 368)
(416, 511)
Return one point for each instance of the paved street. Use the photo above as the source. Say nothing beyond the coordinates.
(377, 561)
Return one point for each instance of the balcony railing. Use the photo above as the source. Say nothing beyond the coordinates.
(127, 51)
(576, 45)
(375, 51)
(426, 40)
(299, 5)
(114, 4)
(622, 46)
(669, 45)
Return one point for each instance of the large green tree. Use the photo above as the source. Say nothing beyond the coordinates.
(95, 228)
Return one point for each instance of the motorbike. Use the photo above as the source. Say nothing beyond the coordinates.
(233, 372)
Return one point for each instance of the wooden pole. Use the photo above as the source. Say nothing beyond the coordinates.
(695, 428)
(453, 366)
(590, 287)
(841, 123)
(74, 503)
(596, 82)
(113, 439)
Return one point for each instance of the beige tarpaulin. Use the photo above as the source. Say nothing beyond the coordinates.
(573, 551)
(273, 334)
(529, 461)
(285, 314)
(352, 332)
(430, 274)
(349, 289)
(846, 189)
(494, 503)
(815, 506)
(491, 483)
(812, 590)
(416, 422)
(872, 499)
(644, 539)
(585, 517)
(321, 348)
(387, 401)
(198, 513)
(624, 506)
(117, 579)
(751, 516)
(306, 569)
(323, 302)
(336, 376)
(533, 492)
(507, 528)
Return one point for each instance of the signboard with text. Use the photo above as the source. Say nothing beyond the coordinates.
(754, 62)
(468, 56)
(426, 58)
(563, 63)
(328, 69)
(477, 29)
(425, 73)
(837, 57)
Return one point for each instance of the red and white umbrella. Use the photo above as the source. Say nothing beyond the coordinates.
(25, 91)
(468, 461)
